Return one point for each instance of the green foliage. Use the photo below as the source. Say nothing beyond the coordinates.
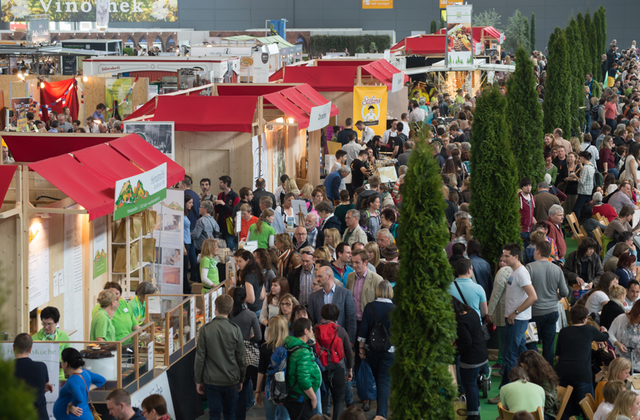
(420, 380)
(532, 35)
(577, 76)
(494, 202)
(128, 51)
(524, 120)
(557, 99)
(443, 23)
(434, 27)
(602, 28)
(359, 49)
(487, 18)
(586, 58)
(590, 27)
(516, 33)
(527, 33)
(322, 44)
(373, 47)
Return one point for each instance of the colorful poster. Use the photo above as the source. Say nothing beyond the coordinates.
(38, 262)
(159, 385)
(278, 27)
(377, 4)
(459, 51)
(49, 354)
(20, 107)
(99, 246)
(85, 11)
(139, 192)
(117, 91)
(168, 233)
(160, 135)
(370, 106)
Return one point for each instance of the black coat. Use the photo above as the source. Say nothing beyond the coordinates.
(255, 203)
(331, 222)
(610, 311)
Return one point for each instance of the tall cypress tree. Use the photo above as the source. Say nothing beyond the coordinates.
(557, 99)
(495, 222)
(527, 34)
(603, 29)
(592, 41)
(532, 35)
(577, 77)
(524, 120)
(586, 58)
(421, 383)
(434, 27)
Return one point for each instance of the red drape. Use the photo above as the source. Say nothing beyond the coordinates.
(54, 91)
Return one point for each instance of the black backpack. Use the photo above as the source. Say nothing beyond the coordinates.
(379, 337)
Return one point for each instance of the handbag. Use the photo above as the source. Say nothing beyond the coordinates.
(253, 353)
(94, 412)
(365, 382)
(486, 332)
(460, 408)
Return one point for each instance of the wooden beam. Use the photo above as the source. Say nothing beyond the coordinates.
(9, 213)
(23, 254)
(31, 209)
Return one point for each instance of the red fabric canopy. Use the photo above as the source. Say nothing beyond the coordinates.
(278, 75)
(40, 146)
(342, 63)
(107, 163)
(426, 45)
(322, 79)
(489, 31)
(147, 109)
(79, 183)
(147, 157)
(383, 71)
(6, 175)
(248, 89)
(208, 113)
(297, 102)
(65, 89)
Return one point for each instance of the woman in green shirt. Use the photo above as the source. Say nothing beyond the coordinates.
(262, 231)
(137, 304)
(550, 168)
(102, 328)
(123, 320)
(209, 265)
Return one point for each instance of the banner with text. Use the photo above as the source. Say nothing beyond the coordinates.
(459, 51)
(138, 192)
(370, 106)
(377, 4)
(319, 117)
(83, 11)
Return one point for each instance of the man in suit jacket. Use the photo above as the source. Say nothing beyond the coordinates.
(315, 237)
(258, 194)
(329, 220)
(362, 282)
(339, 296)
(301, 279)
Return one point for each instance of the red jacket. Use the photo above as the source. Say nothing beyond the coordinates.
(605, 210)
(557, 235)
(526, 212)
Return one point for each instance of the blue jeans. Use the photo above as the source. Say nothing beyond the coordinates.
(470, 383)
(221, 400)
(380, 362)
(231, 240)
(580, 389)
(546, 333)
(515, 343)
(273, 411)
(581, 201)
(615, 172)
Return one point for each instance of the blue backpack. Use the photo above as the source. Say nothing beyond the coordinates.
(277, 388)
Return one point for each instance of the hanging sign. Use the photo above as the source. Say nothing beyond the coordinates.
(377, 4)
(138, 192)
(459, 50)
(370, 106)
(319, 117)
(397, 81)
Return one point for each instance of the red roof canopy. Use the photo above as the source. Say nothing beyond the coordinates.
(383, 71)
(208, 113)
(322, 79)
(297, 102)
(6, 175)
(248, 89)
(107, 163)
(342, 63)
(40, 146)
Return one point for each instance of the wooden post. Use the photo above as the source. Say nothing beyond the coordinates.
(359, 76)
(314, 154)
(22, 227)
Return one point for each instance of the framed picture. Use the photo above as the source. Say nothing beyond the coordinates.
(160, 135)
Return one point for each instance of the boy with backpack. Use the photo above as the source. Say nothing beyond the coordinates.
(334, 351)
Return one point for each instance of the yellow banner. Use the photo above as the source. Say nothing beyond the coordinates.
(445, 3)
(377, 4)
(370, 107)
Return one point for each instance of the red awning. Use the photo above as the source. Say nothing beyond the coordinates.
(489, 31)
(383, 71)
(426, 45)
(147, 157)
(40, 146)
(277, 75)
(297, 102)
(399, 46)
(79, 183)
(345, 62)
(248, 89)
(145, 110)
(322, 79)
(6, 175)
(208, 113)
(107, 163)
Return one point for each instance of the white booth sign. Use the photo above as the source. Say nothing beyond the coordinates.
(319, 117)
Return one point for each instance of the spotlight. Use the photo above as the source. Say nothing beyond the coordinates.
(85, 79)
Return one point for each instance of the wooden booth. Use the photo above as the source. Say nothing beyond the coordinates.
(223, 134)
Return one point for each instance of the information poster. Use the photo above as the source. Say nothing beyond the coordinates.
(370, 106)
(159, 385)
(377, 4)
(169, 242)
(138, 192)
(160, 135)
(99, 246)
(20, 107)
(116, 93)
(72, 287)
(459, 51)
(38, 263)
(49, 354)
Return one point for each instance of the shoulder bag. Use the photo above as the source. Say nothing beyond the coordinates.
(485, 327)
(94, 413)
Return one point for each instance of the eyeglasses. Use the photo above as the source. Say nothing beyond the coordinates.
(287, 304)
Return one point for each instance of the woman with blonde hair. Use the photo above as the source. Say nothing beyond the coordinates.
(277, 332)
(619, 370)
(306, 191)
(610, 392)
(615, 306)
(374, 253)
(102, 328)
(575, 144)
(262, 231)
(290, 186)
(322, 253)
(625, 407)
(288, 258)
(331, 240)
(208, 265)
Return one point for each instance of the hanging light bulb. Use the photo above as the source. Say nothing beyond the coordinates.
(85, 79)
(41, 85)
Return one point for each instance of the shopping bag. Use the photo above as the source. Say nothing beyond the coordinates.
(120, 260)
(531, 333)
(136, 226)
(134, 257)
(149, 250)
(578, 292)
(366, 383)
(119, 227)
(460, 408)
(149, 218)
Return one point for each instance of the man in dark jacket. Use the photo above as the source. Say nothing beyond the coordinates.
(329, 220)
(301, 278)
(119, 406)
(260, 192)
(481, 268)
(224, 205)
